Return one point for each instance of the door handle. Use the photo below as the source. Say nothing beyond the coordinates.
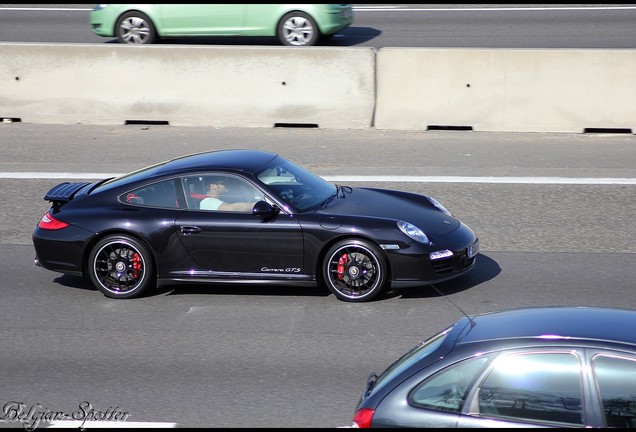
(188, 229)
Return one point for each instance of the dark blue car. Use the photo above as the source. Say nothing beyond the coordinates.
(528, 367)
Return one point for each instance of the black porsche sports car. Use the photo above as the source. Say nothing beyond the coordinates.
(247, 216)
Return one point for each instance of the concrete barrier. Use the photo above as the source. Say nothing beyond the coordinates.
(511, 90)
(508, 90)
(234, 86)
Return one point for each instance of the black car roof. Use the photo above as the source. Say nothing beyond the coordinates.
(554, 322)
(235, 159)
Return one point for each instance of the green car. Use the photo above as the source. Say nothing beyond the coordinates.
(299, 25)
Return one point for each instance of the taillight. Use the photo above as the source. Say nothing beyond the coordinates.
(363, 418)
(48, 222)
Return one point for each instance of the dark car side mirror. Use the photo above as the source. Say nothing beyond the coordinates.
(265, 209)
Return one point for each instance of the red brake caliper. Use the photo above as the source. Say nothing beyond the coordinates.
(136, 265)
(344, 259)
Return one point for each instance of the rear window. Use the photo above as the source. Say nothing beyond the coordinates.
(160, 194)
(128, 178)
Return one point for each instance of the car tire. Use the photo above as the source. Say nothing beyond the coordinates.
(355, 270)
(297, 29)
(120, 267)
(135, 28)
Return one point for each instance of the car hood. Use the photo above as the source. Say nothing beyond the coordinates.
(390, 204)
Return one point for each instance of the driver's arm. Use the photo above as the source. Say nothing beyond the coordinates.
(237, 206)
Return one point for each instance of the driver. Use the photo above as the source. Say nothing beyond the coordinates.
(213, 201)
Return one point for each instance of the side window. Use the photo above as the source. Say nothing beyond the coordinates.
(161, 194)
(534, 386)
(447, 389)
(220, 192)
(616, 379)
(195, 190)
(241, 191)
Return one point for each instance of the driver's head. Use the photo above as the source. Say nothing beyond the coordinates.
(217, 184)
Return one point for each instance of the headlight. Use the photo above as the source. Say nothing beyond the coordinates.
(438, 205)
(100, 6)
(412, 231)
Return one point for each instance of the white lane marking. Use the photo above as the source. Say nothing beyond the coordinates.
(471, 179)
(386, 8)
(107, 424)
(377, 179)
(44, 9)
(57, 175)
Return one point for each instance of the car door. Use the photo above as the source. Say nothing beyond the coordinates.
(201, 19)
(228, 242)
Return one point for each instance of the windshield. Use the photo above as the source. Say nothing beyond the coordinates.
(413, 356)
(297, 186)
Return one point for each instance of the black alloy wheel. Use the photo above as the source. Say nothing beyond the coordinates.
(120, 267)
(355, 270)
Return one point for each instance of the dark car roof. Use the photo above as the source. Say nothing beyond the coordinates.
(556, 322)
(244, 160)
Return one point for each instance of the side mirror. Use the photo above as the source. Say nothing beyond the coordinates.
(265, 209)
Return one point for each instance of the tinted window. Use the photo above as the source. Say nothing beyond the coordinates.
(160, 194)
(616, 378)
(446, 390)
(534, 386)
(235, 189)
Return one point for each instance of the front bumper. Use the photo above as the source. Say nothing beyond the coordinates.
(413, 266)
(102, 22)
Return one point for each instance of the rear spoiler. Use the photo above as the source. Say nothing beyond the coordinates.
(64, 192)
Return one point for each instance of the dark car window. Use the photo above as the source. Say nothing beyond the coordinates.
(447, 389)
(616, 379)
(534, 386)
(236, 189)
(160, 194)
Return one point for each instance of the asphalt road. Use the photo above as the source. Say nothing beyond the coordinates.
(554, 213)
(390, 25)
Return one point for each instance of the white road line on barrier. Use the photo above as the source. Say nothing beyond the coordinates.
(377, 179)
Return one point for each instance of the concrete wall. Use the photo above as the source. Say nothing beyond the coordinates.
(188, 85)
(512, 90)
